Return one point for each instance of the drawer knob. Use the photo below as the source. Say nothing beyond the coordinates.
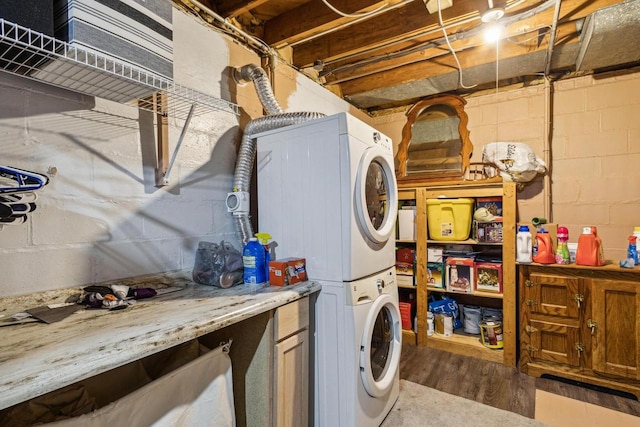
(529, 283)
(592, 325)
(530, 302)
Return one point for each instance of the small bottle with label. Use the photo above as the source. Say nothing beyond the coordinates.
(562, 251)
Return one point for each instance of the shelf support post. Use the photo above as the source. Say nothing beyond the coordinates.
(162, 136)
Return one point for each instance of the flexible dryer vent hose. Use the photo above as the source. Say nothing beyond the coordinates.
(276, 118)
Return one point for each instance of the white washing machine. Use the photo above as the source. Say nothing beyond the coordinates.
(327, 192)
(358, 343)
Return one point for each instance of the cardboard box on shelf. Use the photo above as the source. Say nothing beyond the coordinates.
(492, 204)
(459, 273)
(488, 277)
(405, 261)
(405, 315)
(435, 278)
(407, 223)
(404, 280)
(287, 271)
(488, 232)
(435, 253)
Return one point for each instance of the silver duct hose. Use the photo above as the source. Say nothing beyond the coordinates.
(238, 200)
(257, 75)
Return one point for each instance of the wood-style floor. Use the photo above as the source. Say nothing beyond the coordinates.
(494, 384)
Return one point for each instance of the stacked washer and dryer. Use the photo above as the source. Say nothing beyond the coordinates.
(327, 192)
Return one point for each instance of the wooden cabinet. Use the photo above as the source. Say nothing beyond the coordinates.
(615, 326)
(291, 364)
(460, 342)
(581, 323)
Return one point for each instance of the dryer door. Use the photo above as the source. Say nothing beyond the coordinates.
(380, 347)
(376, 196)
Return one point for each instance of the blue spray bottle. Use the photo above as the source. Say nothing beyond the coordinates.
(632, 251)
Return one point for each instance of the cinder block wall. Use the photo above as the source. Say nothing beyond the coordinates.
(101, 217)
(594, 151)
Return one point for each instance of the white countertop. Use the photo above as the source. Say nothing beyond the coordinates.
(36, 358)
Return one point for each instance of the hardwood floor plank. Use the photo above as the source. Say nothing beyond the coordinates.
(495, 384)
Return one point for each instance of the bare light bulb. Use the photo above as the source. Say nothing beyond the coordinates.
(492, 33)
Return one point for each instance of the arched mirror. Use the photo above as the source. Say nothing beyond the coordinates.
(435, 140)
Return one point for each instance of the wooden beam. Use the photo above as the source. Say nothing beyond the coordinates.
(383, 30)
(313, 18)
(443, 64)
(396, 25)
(235, 8)
(472, 46)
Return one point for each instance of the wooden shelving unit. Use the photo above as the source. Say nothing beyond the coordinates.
(460, 342)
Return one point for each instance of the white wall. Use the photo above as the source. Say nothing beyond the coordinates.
(101, 216)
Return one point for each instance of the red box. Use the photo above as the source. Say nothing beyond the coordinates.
(287, 271)
(489, 277)
(405, 315)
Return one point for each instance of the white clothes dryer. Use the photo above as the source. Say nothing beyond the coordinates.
(327, 192)
(358, 344)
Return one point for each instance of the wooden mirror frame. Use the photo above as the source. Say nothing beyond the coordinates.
(457, 103)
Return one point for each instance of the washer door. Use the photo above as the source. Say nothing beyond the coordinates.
(376, 196)
(380, 347)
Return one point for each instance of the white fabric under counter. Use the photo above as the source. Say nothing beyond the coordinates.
(37, 358)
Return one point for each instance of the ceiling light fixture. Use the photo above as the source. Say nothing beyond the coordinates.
(492, 14)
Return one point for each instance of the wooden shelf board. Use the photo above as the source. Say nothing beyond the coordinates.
(407, 286)
(405, 241)
(465, 344)
(409, 337)
(474, 294)
(462, 242)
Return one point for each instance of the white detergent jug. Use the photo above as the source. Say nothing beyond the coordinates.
(524, 250)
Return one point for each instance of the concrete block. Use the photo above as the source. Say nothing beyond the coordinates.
(114, 260)
(575, 125)
(611, 93)
(600, 145)
(38, 269)
(513, 110)
(570, 101)
(621, 118)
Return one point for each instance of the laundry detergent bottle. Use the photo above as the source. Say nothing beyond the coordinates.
(523, 244)
(253, 260)
(589, 250)
(543, 248)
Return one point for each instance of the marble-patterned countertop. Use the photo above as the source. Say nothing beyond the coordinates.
(36, 358)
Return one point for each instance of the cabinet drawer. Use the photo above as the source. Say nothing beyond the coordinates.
(554, 342)
(291, 318)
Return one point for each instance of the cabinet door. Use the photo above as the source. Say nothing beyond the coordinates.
(553, 295)
(554, 342)
(616, 332)
(291, 380)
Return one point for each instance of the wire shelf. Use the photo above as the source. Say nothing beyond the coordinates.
(37, 56)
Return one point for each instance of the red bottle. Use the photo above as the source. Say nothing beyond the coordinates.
(589, 250)
(543, 252)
